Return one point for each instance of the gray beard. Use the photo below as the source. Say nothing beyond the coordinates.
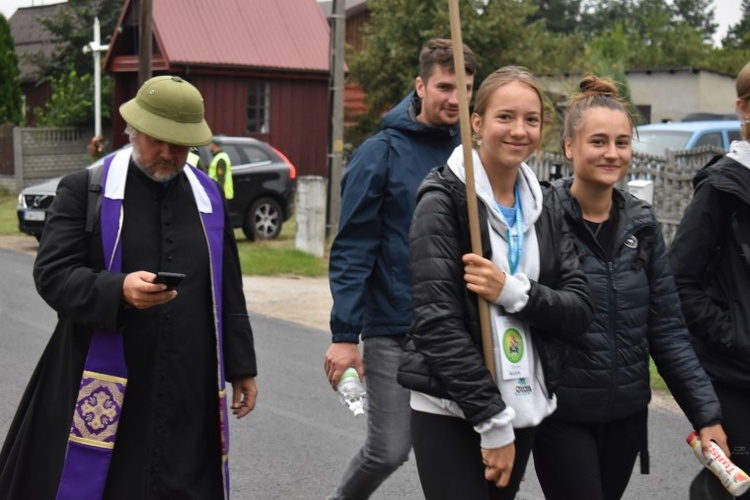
(150, 172)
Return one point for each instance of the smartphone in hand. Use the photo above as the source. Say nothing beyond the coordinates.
(169, 279)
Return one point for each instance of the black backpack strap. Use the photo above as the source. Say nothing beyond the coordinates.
(93, 207)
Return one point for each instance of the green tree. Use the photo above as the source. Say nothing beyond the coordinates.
(735, 50)
(72, 102)
(11, 104)
(604, 37)
(598, 16)
(560, 16)
(72, 27)
(698, 14)
(657, 37)
(738, 36)
(607, 56)
(499, 32)
(69, 69)
(663, 41)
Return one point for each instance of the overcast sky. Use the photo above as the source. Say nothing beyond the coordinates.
(726, 13)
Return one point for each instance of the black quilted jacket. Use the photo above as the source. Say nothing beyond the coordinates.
(443, 355)
(636, 313)
(711, 258)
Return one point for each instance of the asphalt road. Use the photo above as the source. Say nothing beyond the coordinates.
(299, 439)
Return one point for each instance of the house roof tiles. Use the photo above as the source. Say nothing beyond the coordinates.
(274, 34)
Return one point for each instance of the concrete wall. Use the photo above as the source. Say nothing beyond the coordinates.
(717, 92)
(674, 94)
(43, 153)
(8, 183)
(671, 94)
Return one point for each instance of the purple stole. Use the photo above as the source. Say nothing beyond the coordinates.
(101, 394)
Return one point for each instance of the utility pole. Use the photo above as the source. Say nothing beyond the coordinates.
(96, 48)
(145, 16)
(336, 96)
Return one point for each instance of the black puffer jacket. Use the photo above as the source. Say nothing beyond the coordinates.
(711, 259)
(637, 313)
(443, 355)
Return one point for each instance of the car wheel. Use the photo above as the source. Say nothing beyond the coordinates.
(263, 220)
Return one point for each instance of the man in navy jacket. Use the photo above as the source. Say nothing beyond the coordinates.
(369, 261)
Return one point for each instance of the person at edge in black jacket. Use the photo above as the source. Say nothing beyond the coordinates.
(711, 259)
(472, 435)
(588, 447)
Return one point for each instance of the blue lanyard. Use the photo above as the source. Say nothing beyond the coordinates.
(515, 234)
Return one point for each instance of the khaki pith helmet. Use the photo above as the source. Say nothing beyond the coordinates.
(169, 109)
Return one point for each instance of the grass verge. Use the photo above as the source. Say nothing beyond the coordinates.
(279, 257)
(657, 383)
(8, 217)
(264, 258)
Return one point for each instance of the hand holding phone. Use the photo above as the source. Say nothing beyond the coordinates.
(169, 279)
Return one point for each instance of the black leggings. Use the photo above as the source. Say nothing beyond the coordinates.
(591, 461)
(449, 459)
(735, 410)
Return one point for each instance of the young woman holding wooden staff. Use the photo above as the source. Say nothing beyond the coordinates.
(472, 435)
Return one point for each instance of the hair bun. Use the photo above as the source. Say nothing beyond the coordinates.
(593, 85)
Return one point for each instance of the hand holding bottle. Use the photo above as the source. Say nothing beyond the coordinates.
(351, 392)
(734, 479)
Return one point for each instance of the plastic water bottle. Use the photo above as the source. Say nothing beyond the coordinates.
(351, 392)
(732, 477)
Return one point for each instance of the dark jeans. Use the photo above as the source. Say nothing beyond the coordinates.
(591, 461)
(449, 459)
(388, 416)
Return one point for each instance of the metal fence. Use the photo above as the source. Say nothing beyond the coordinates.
(672, 177)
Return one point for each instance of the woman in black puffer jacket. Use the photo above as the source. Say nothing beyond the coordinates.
(472, 436)
(711, 260)
(587, 448)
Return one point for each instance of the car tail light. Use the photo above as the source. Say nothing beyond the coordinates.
(292, 169)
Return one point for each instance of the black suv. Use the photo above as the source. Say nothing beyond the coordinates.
(265, 184)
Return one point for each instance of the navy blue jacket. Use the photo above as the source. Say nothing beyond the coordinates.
(369, 260)
(637, 313)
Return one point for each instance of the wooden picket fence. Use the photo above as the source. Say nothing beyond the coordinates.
(672, 177)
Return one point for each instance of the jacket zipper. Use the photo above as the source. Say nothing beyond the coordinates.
(613, 333)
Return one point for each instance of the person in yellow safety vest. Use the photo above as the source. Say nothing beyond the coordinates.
(194, 159)
(220, 169)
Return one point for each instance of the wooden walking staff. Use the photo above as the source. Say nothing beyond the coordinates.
(471, 196)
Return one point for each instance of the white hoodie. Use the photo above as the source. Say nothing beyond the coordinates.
(739, 151)
(526, 398)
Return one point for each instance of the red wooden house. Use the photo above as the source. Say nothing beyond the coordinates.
(261, 65)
